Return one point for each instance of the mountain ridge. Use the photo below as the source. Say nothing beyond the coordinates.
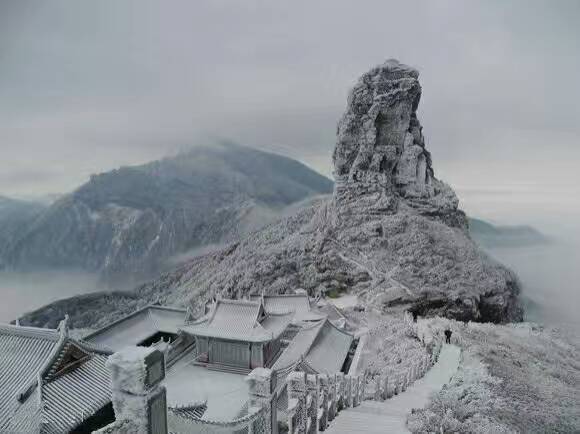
(132, 219)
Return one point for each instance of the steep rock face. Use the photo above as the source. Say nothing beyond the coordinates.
(380, 160)
(391, 233)
(127, 222)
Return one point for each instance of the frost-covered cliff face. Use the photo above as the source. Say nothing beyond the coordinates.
(128, 222)
(381, 165)
(391, 232)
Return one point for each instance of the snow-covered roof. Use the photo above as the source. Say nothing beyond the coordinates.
(49, 377)
(299, 346)
(224, 393)
(329, 350)
(138, 326)
(297, 303)
(70, 398)
(240, 320)
(322, 345)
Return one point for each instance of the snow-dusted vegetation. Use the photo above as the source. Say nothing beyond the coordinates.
(513, 378)
(392, 346)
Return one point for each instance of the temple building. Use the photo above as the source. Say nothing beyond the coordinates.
(239, 333)
(52, 383)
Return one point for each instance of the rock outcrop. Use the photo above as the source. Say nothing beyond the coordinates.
(380, 160)
(391, 233)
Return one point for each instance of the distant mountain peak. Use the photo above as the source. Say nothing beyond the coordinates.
(129, 221)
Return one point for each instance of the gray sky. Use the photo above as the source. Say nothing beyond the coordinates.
(86, 86)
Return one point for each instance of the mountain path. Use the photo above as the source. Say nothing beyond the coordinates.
(390, 416)
(365, 264)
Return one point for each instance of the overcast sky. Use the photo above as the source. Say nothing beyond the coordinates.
(86, 86)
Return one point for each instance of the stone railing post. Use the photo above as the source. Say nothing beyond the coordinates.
(297, 400)
(325, 403)
(262, 385)
(386, 392)
(313, 387)
(340, 392)
(332, 396)
(362, 388)
(137, 396)
(348, 391)
(378, 391)
(355, 394)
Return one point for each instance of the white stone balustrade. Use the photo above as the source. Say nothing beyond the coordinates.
(262, 387)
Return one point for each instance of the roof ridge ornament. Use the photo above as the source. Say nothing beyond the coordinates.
(63, 326)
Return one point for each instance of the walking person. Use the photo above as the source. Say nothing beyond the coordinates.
(447, 336)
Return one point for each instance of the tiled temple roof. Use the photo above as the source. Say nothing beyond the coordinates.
(299, 346)
(83, 391)
(322, 346)
(329, 350)
(49, 382)
(138, 326)
(240, 320)
(297, 303)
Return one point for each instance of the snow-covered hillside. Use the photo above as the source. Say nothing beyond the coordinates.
(125, 224)
(512, 379)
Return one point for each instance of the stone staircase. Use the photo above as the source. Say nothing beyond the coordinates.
(390, 416)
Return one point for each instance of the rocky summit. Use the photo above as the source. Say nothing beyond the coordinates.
(391, 233)
(381, 165)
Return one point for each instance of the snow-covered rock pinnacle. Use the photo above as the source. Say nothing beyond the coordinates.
(380, 155)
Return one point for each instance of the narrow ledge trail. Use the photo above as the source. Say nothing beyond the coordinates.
(390, 416)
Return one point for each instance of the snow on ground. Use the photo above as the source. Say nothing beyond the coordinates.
(391, 415)
(344, 301)
(225, 393)
(512, 378)
(391, 348)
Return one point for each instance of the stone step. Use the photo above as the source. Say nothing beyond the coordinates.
(352, 422)
(227, 368)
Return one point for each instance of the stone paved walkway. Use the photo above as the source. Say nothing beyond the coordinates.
(390, 416)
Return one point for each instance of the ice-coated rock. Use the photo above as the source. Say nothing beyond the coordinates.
(380, 155)
(391, 233)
